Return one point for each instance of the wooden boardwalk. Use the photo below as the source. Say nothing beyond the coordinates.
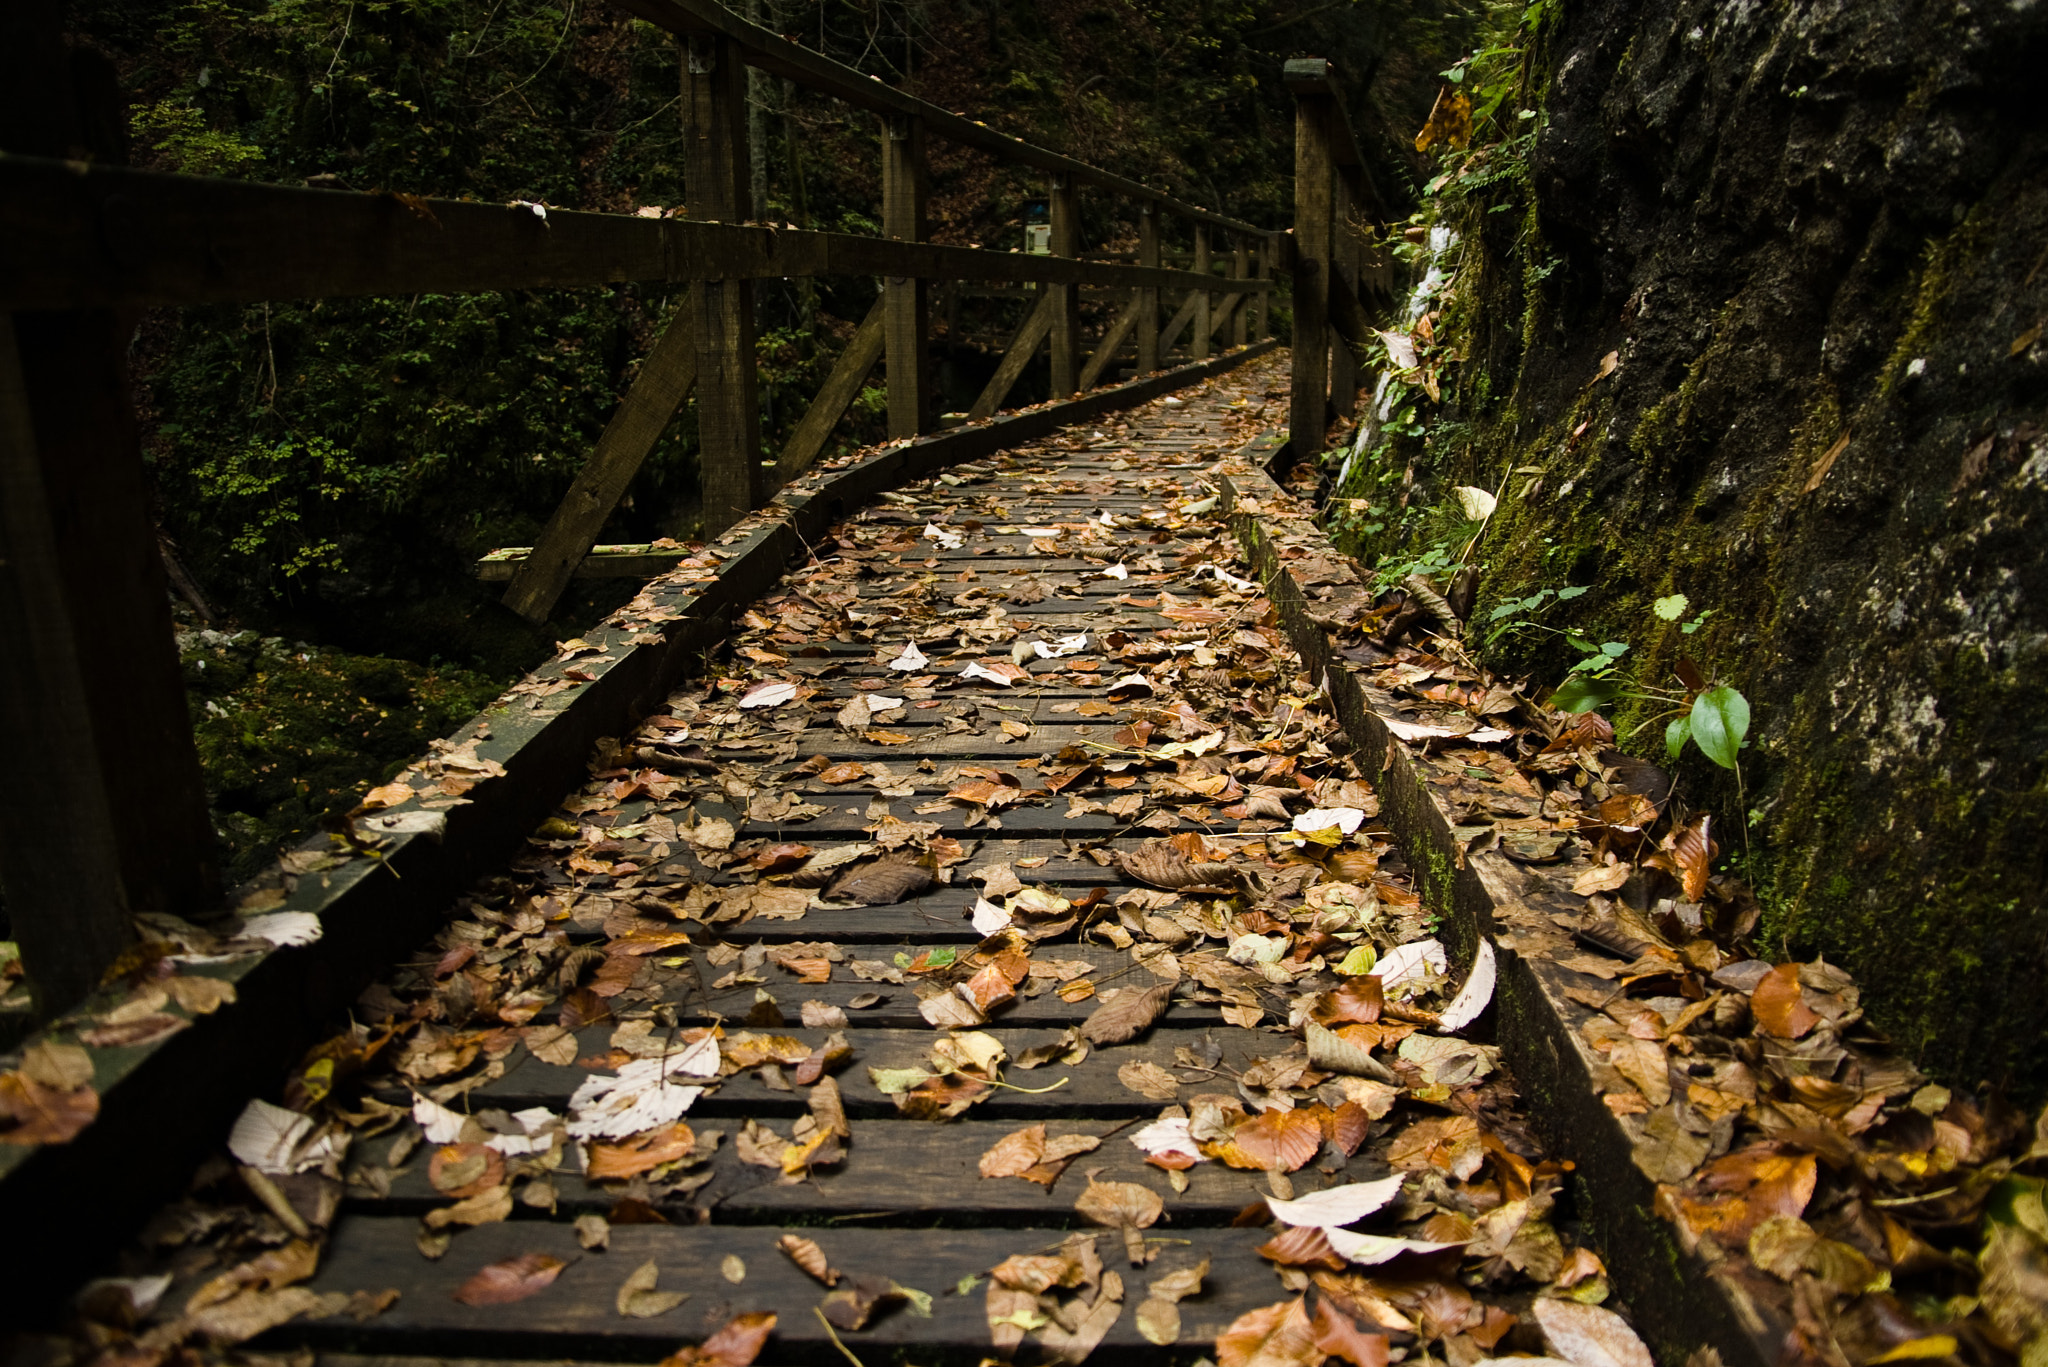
(693, 910)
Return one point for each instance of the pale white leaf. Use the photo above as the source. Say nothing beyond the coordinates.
(1369, 1249)
(772, 694)
(988, 917)
(975, 670)
(1408, 730)
(910, 661)
(1477, 503)
(267, 1137)
(282, 928)
(1588, 1336)
(1164, 1137)
(1345, 819)
(1116, 571)
(1406, 963)
(1337, 1206)
(1477, 992)
(947, 540)
(443, 1126)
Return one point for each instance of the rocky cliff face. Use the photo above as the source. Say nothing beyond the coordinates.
(1816, 233)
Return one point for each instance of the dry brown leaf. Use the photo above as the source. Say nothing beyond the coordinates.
(642, 1152)
(63, 1067)
(736, 1345)
(1278, 1335)
(31, 1113)
(1149, 1080)
(1015, 1154)
(1272, 1141)
(512, 1279)
(485, 1208)
(1588, 1336)
(1157, 862)
(895, 876)
(1779, 1006)
(638, 1299)
(1125, 1013)
(464, 1170)
(201, 996)
(806, 1254)
(1339, 1336)
(1302, 1246)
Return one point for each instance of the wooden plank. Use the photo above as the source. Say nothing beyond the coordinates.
(1112, 342)
(893, 1168)
(575, 1315)
(75, 236)
(775, 54)
(722, 311)
(1065, 300)
(904, 297)
(1091, 1090)
(1309, 384)
(602, 563)
(1016, 356)
(1204, 325)
(1148, 296)
(60, 854)
(636, 425)
(849, 375)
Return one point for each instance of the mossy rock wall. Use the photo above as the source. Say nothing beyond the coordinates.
(1799, 223)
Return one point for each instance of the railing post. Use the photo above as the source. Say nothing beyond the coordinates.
(1203, 301)
(906, 298)
(1066, 299)
(1344, 268)
(1309, 399)
(717, 186)
(1262, 301)
(1240, 268)
(1148, 295)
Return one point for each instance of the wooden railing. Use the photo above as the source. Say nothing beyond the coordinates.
(95, 711)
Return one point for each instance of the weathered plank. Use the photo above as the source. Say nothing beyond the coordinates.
(636, 425)
(925, 1174)
(1113, 342)
(576, 1314)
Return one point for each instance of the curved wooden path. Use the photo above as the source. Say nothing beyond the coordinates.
(668, 897)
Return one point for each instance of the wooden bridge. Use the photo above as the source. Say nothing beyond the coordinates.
(949, 780)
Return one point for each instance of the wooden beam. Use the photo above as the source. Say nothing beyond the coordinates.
(777, 55)
(603, 562)
(722, 311)
(1230, 315)
(907, 326)
(1112, 343)
(60, 857)
(835, 396)
(1262, 272)
(1016, 356)
(1199, 348)
(1148, 295)
(1169, 336)
(636, 425)
(1309, 398)
(1065, 299)
(92, 236)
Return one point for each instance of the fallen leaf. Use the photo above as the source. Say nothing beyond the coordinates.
(736, 1345)
(883, 882)
(1339, 1336)
(462, 1170)
(1589, 1336)
(806, 1254)
(1778, 1005)
(1477, 992)
(1149, 1080)
(1337, 1206)
(772, 694)
(513, 1279)
(1125, 1013)
(1277, 1335)
(643, 1152)
(62, 1067)
(637, 1298)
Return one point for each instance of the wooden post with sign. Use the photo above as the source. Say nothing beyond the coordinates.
(906, 320)
(1066, 299)
(716, 183)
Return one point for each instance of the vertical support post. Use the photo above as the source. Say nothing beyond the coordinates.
(105, 810)
(1309, 398)
(1066, 299)
(1240, 269)
(1262, 301)
(1343, 276)
(1199, 349)
(718, 187)
(1148, 295)
(905, 298)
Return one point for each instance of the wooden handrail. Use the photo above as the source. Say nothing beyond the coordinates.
(777, 55)
(80, 236)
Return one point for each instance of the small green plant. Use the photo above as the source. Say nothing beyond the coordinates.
(1715, 717)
